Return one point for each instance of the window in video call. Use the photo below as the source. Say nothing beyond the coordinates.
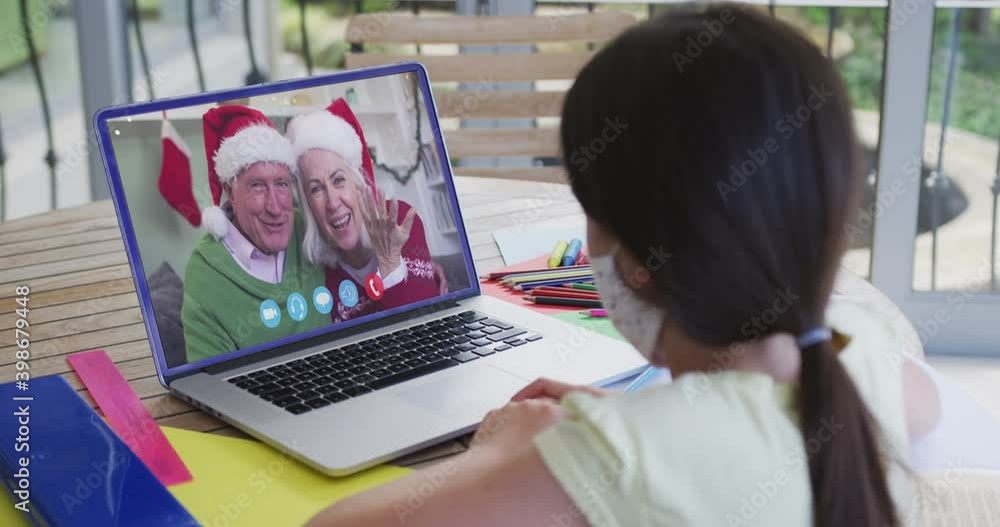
(268, 217)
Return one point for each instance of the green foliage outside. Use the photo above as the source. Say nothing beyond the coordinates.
(975, 104)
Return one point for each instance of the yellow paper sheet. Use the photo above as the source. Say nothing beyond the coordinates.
(246, 483)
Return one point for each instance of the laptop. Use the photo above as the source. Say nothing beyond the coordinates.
(304, 273)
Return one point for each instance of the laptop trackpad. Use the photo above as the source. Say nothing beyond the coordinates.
(466, 394)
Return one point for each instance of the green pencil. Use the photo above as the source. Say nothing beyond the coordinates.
(585, 287)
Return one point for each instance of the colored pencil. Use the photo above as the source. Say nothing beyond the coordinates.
(582, 274)
(575, 302)
(597, 313)
(581, 286)
(561, 294)
(531, 285)
(496, 275)
(562, 290)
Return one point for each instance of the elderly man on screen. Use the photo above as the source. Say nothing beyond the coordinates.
(246, 282)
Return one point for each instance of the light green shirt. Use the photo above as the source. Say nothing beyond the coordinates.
(719, 449)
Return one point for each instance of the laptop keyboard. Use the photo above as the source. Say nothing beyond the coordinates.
(337, 375)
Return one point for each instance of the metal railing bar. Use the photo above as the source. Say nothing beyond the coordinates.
(590, 9)
(254, 76)
(193, 37)
(993, 235)
(415, 7)
(50, 154)
(305, 37)
(831, 26)
(359, 8)
(937, 179)
(3, 176)
(143, 58)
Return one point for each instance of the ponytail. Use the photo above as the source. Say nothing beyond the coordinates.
(848, 479)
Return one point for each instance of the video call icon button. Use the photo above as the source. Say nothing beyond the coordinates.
(270, 313)
(297, 307)
(348, 293)
(323, 300)
(374, 287)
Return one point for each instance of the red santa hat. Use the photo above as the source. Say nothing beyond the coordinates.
(336, 129)
(235, 138)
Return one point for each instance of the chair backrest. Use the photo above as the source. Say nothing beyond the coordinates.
(479, 69)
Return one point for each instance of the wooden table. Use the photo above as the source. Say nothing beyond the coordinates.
(82, 295)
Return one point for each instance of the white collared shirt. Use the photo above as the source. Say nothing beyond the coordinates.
(269, 268)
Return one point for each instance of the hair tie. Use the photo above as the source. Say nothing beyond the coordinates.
(814, 336)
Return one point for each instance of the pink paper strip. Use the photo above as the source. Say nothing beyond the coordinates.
(128, 417)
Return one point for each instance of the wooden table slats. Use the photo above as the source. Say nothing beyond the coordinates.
(83, 296)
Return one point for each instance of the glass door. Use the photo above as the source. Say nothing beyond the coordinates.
(936, 246)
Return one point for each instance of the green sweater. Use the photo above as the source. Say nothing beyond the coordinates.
(222, 302)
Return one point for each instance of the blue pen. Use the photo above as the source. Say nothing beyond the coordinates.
(642, 379)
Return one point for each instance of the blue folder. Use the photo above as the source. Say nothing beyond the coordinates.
(79, 472)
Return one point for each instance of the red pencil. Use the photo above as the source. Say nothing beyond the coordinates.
(563, 293)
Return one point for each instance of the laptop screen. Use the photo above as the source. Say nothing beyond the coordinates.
(275, 213)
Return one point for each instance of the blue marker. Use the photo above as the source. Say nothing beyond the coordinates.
(572, 252)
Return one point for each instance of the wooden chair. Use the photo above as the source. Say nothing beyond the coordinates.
(398, 28)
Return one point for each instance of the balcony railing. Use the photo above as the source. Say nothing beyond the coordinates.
(936, 184)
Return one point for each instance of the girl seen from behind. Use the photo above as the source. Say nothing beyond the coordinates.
(740, 163)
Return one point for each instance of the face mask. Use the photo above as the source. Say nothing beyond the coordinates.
(636, 319)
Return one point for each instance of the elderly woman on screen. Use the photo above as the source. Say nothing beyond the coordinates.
(373, 246)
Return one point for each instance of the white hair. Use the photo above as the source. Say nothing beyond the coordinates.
(317, 249)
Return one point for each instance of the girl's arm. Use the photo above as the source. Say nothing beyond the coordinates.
(500, 480)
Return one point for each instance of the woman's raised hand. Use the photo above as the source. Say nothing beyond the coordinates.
(387, 236)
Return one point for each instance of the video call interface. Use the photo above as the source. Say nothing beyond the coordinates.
(267, 217)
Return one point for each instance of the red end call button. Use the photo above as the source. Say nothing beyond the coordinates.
(374, 287)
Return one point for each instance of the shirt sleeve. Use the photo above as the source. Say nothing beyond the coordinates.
(593, 461)
(396, 276)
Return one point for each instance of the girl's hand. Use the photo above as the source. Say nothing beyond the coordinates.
(386, 235)
(514, 426)
(549, 389)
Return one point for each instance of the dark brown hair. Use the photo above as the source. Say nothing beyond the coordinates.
(725, 138)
